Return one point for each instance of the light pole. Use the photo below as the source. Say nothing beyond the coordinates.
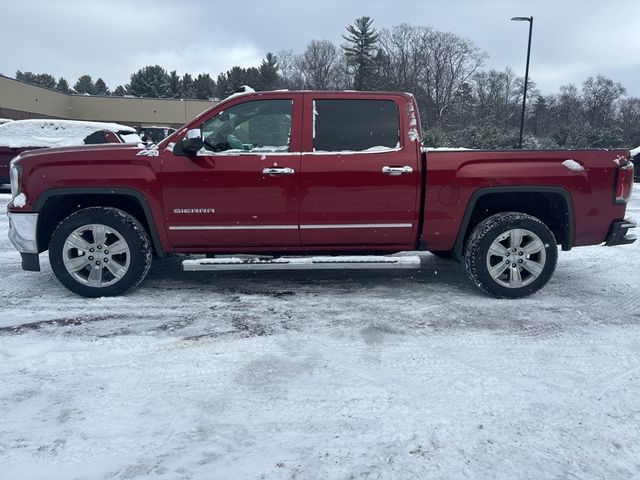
(526, 74)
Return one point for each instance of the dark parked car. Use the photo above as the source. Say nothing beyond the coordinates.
(154, 134)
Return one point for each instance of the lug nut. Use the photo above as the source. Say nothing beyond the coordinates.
(513, 265)
(521, 253)
(106, 252)
(98, 263)
(519, 261)
(90, 258)
(100, 247)
(91, 250)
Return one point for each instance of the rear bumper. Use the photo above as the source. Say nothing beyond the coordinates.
(619, 235)
(23, 236)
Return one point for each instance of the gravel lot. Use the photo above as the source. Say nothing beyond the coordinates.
(280, 375)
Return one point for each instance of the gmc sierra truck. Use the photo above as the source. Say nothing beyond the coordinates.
(289, 180)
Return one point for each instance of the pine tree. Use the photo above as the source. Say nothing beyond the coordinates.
(360, 50)
(120, 91)
(232, 80)
(63, 86)
(204, 86)
(101, 88)
(187, 88)
(175, 85)
(40, 79)
(268, 77)
(150, 81)
(84, 85)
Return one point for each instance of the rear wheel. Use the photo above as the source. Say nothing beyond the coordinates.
(99, 252)
(511, 255)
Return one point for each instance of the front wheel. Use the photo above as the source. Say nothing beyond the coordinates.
(100, 252)
(511, 255)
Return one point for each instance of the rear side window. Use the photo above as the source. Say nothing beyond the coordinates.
(355, 125)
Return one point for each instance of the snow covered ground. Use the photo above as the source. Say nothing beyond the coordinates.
(322, 375)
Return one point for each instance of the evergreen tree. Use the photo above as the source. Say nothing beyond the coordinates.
(120, 91)
(187, 88)
(150, 81)
(204, 86)
(85, 85)
(235, 78)
(40, 79)
(101, 88)
(175, 85)
(268, 77)
(63, 86)
(360, 50)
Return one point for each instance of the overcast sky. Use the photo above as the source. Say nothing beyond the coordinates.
(572, 39)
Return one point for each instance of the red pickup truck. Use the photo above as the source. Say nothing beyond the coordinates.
(286, 179)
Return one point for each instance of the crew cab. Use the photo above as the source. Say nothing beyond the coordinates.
(286, 179)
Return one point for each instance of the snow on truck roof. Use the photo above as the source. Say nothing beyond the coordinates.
(53, 133)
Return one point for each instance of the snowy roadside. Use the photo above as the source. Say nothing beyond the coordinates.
(323, 374)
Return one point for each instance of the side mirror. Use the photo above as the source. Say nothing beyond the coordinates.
(192, 142)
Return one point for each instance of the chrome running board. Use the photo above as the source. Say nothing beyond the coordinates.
(302, 263)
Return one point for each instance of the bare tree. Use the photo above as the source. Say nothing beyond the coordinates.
(402, 48)
(629, 121)
(288, 63)
(318, 65)
(450, 62)
(599, 96)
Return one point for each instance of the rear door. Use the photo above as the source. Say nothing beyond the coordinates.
(360, 172)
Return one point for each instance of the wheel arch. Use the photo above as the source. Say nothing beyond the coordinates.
(57, 204)
(552, 205)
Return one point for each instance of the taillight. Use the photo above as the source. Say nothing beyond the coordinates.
(624, 182)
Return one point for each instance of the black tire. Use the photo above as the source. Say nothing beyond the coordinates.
(511, 236)
(116, 229)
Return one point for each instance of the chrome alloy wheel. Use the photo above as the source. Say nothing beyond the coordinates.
(516, 258)
(96, 255)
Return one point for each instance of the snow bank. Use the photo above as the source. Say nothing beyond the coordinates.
(53, 133)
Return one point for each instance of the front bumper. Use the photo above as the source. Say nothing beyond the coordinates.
(619, 235)
(23, 235)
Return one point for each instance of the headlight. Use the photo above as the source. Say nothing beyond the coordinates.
(14, 174)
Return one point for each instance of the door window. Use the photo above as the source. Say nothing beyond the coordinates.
(355, 125)
(256, 126)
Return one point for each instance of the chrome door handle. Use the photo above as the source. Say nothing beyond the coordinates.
(397, 170)
(278, 171)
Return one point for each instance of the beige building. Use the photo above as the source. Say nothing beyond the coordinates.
(19, 100)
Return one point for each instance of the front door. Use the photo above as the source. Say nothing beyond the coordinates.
(241, 189)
